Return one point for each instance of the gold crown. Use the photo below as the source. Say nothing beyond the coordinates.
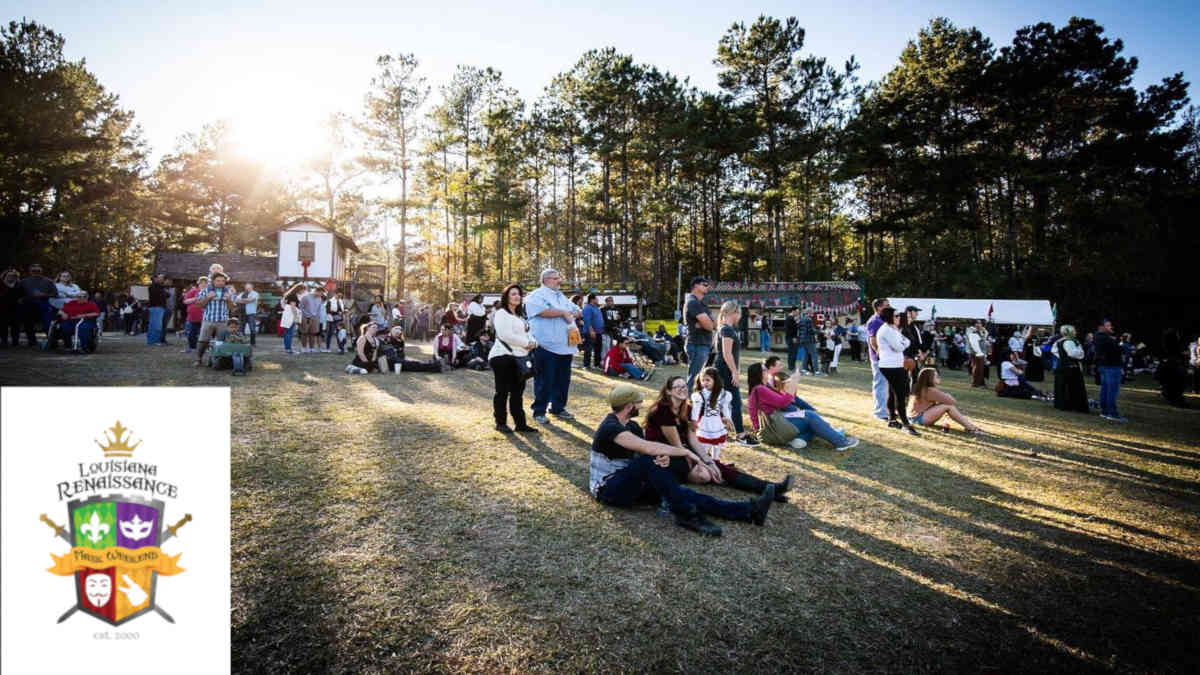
(117, 446)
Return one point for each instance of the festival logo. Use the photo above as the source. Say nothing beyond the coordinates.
(116, 555)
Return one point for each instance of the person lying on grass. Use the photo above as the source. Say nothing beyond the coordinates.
(627, 469)
(765, 400)
(668, 421)
(931, 403)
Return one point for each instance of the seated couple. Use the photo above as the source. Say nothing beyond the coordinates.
(771, 392)
(626, 468)
(619, 360)
(930, 403)
(373, 354)
(76, 325)
(1012, 377)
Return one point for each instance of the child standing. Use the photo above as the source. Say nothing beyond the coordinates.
(711, 412)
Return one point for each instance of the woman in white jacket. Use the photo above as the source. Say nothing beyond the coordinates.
(891, 346)
(512, 341)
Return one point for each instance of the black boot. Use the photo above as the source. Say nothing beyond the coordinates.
(747, 483)
(760, 506)
(696, 522)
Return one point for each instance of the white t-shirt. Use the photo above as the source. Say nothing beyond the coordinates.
(708, 417)
(1016, 344)
(65, 293)
(1008, 373)
(475, 309)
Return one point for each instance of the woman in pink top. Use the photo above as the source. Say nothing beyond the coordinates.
(195, 313)
(765, 400)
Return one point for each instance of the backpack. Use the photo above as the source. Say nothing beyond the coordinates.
(775, 429)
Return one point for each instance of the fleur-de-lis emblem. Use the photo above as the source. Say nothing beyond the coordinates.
(136, 528)
(95, 527)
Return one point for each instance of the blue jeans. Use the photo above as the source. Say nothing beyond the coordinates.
(251, 327)
(879, 389)
(552, 382)
(331, 330)
(735, 405)
(697, 355)
(644, 481)
(70, 329)
(287, 337)
(812, 424)
(154, 331)
(633, 370)
(803, 351)
(1110, 386)
(193, 333)
(764, 340)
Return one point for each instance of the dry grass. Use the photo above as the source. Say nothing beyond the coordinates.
(380, 525)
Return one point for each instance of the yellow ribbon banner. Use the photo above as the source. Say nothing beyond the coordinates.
(81, 557)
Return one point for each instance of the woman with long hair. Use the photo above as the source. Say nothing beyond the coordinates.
(513, 341)
(379, 313)
(668, 420)
(778, 395)
(366, 349)
(726, 346)
(930, 403)
(892, 344)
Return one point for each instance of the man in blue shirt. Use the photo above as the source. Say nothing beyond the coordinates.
(550, 314)
(879, 385)
(249, 299)
(593, 332)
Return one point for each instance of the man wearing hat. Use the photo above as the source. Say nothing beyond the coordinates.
(217, 302)
(700, 326)
(918, 346)
(626, 469)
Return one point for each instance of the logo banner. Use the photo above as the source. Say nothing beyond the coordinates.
(84, 558)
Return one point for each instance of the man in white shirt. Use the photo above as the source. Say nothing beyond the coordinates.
(978, 355)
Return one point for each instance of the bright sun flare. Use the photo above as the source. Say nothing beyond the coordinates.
(278, 138)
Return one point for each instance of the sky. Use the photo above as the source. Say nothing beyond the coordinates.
(276, 68)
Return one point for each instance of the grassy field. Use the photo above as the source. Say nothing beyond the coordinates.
(381, 525)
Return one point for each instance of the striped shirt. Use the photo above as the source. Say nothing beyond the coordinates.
(217, 309)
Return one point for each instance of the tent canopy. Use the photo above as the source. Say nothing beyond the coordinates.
(1019, 312)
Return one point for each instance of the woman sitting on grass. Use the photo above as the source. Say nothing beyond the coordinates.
(667, 421)
(1015, 384)
(931, 403)
(765, 400)
(366, 348)
(618, 361)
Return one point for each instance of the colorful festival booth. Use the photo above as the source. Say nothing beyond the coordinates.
(833, 299)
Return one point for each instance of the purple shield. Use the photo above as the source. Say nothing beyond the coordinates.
(137, 525)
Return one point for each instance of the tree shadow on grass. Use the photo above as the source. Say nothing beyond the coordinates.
(1123, 600)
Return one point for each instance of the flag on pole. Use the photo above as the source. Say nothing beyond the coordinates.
(1054, 312)
(990, 306)
(933, 313)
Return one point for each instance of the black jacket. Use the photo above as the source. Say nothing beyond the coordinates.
(1108, 352)
(916, 342)
(158, 295)
(789, 328)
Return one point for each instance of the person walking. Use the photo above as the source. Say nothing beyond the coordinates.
(879, 386)
(700, 328)
(728, 349)
(513, 341)
(1110, 365)
(550, 315)
(593, 332)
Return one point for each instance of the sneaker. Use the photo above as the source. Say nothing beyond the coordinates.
(563, 415)
(503, 428)
(911, 431)
(541, 419)
(759, 507)
(798, 443)
(850, 443)
(894, 424)
(697, 523)
(664, 509)
(526, 429)
(748, 440)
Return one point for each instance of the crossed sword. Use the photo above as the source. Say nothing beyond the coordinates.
(172, 530)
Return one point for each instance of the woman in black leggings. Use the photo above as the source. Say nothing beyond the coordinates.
(513, 341)
(892, 344)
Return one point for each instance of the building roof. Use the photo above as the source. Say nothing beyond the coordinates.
(307, 220)
(240, 268)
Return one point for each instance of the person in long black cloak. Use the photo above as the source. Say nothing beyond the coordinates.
(1070, 393)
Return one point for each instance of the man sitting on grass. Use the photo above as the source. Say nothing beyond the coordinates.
(626, 469)
(76, 325)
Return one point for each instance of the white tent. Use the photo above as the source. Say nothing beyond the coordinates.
(1019, 312)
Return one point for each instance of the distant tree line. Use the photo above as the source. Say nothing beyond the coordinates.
(1032, 170)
